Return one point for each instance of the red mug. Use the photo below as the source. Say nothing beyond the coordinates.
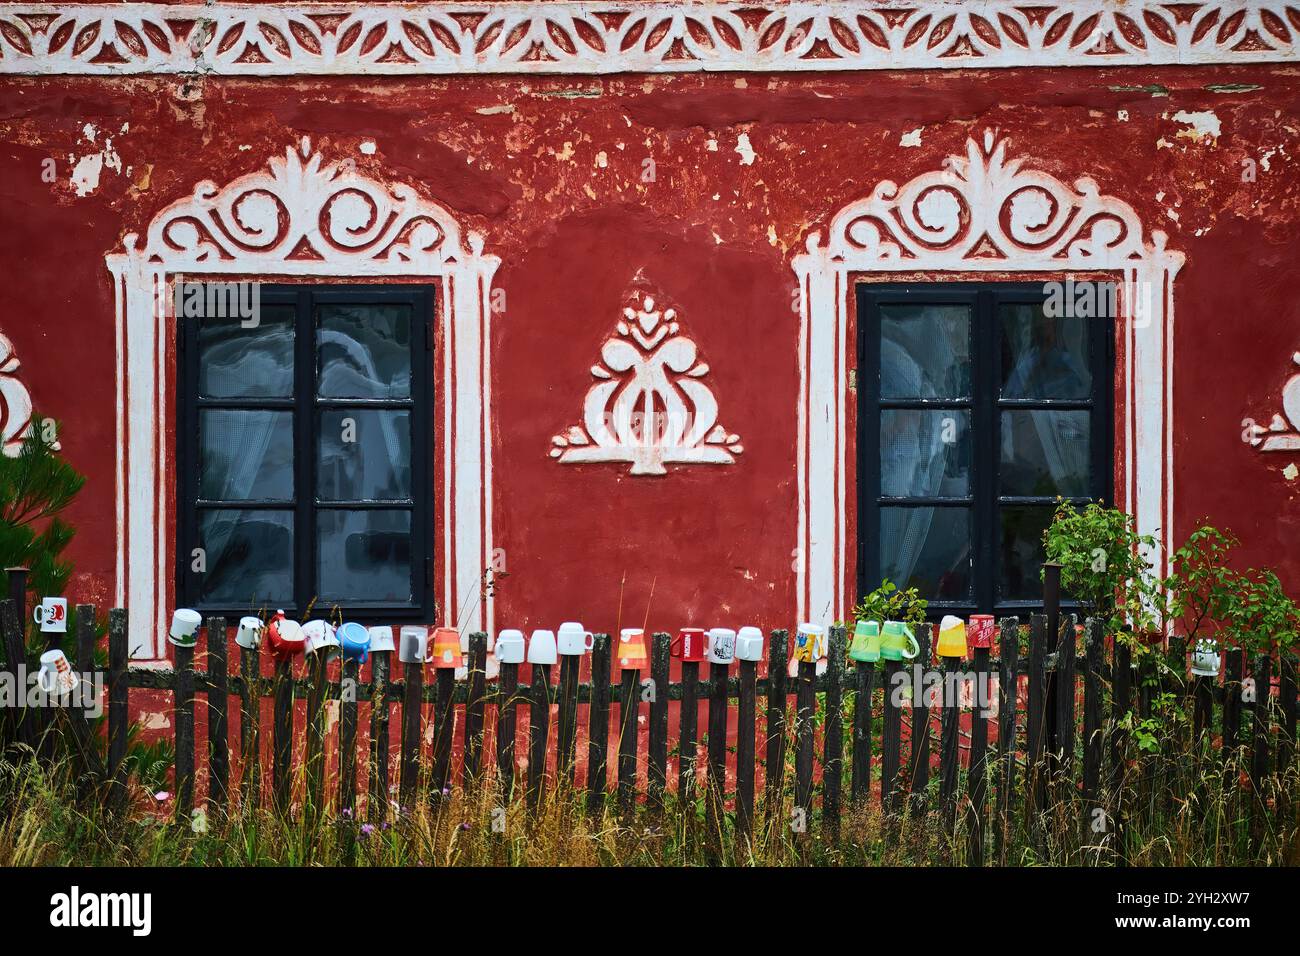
(979, 630)
(690, 644)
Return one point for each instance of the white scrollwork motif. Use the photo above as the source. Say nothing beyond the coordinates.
(15, 404)
(650, 407)
(1280, 434)
(263, 39)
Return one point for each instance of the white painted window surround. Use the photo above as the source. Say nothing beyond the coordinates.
(980, 213)
(299, 219)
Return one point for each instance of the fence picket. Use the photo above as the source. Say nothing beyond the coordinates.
(118, 696)
(833, 738)
(1008, 704)
(317, 692)
(657, 768)
(218, 726)
(377, 805)
(978, 773)
(778, 656)
(598, 732)
(412, 712)
(919, 775)
(629, 708)
(860, 785)
(950, 724)
(567, 721)
(1066, 653)
(745, 716)
(1259, 756)
(16, 652)
(250, 722)
(1092, 734)
(348, 737)
(688, 746)
(717, 751)
(475, 705)
(1036, 717)
(507, 729)
(183, 722)
(1234, 666)
(539, 728)
(444, 732)
(805, 711)
(891, 743)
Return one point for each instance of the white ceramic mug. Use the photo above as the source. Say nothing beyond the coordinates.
(321, 637)
(749, 644)
(52, 615)
(722, 645)
(541, 647)
(574, 639)
(55, 675)
(381, 638)
(250, 632)
(413, 644)
(510, 647)
(185, 627)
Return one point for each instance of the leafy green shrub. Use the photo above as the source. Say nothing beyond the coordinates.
(888, 603)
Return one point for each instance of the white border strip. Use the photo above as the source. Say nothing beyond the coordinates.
(528, 37)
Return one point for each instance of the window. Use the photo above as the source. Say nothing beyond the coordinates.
(303, 453)
(977, 409)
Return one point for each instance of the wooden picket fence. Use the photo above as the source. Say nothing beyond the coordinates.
(1037, 698)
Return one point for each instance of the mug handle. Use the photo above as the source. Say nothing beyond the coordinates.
(41, 678)
(590, 642)
(37, 613)
(675, 646)
(916, 648)
(708, 643)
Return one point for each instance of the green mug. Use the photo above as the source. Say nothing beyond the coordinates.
(866, 642)
(894, 643)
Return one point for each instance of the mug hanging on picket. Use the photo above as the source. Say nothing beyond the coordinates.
(1205, 659)
(749, 644)
(52, 615)
(722, 645)
(355, 640)
(285, 637)
(413, 644)
(249, 634)
(952, 637)
(897, 642)
(572, 639)
(321, 638)
(381, 638)
(55, 675)
(810, 643)
(866, 642)
(631, 648)
(184, 630)
(510, 647)
(691, 644)
(979, 631)
(446, 648)
(541, 647)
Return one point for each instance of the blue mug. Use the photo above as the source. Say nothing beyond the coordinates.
(355, 640)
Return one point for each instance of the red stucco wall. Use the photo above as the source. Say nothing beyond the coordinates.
(517, 160)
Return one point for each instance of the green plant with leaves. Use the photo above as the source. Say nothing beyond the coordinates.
(1257, 613)
(35, 488)
(1199, 582)
(889, 603)
(1103, 565)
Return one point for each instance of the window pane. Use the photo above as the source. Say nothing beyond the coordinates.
(364, 351)
(927, 548)
(1022, 551)
(249, 558)
(245, 455)
(1044, 357)
(924, 453)
(1046, 453)
(238, 362)
(364, 455)
(364, 556)
(924, 351)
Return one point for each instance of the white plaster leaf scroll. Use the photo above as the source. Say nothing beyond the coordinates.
(1281, 434)
(649, 407)
(15, 403)
(262, 39)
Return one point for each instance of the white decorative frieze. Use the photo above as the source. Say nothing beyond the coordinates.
(15, 403)
(1280, 434)
(263, 39)
(650, 406)
(980, 213)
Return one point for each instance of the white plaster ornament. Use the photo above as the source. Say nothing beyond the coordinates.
(624, 36)
(1281, 434)
(650, 406)
(15, 404)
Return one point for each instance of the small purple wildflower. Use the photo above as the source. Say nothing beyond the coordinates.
(367, 829)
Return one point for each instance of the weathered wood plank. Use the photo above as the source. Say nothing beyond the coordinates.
(250, 726)
(598, 730)
(444, 732)
(688, 740)
(746, 714)
(977, 778)
(118, 690)
(949, 724)
(778, 657)
(891, 741)
(629, 708)
(539, 729)
(806, 709)
(183, 722)
(657, 767)
(377, 805)
(833, 735)
(412, 732)
(348, 739)
(475, 708)
(864, 677)
(919, 776)
(717, 751)
(218, 726)
(1008, 703)
(507, 730)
